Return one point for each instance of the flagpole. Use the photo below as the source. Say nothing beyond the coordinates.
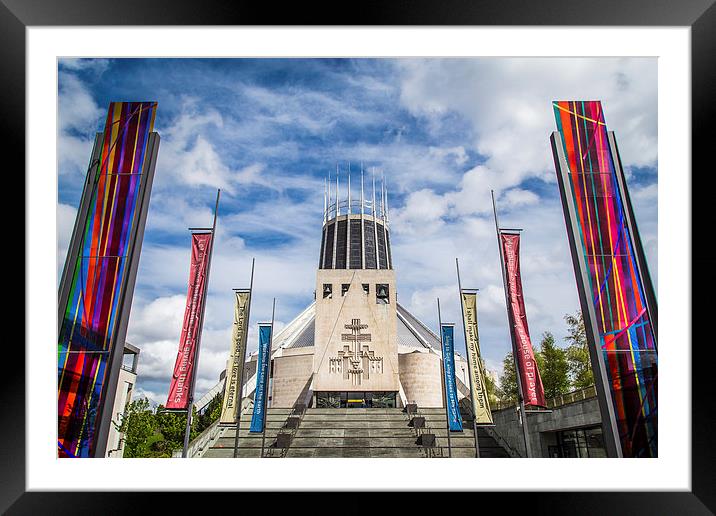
(442, 374)
(268, 379)
(240, 379)
(469, 364)
(523, 414)
(190, 407)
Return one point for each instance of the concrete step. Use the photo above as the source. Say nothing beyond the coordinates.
(412, 452)
(353, 432)
(360, 418)
(342, 442)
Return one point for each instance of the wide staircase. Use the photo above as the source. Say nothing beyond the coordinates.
(352, 432)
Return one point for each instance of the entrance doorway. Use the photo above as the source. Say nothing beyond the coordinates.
(578, 443)
(355, 399)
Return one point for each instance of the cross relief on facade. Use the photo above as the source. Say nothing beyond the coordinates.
(356, 361)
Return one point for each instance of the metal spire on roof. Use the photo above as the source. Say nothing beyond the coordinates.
(362, 211)
(338, 202)
(325, 199)
(329, 195)
(349, 188)
(387, 211)
(373, 205)
(382, 195)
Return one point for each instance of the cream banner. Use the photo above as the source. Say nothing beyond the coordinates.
(480, 401)
(234, 368)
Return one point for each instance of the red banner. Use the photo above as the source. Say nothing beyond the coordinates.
(533, 391)
(183, 368)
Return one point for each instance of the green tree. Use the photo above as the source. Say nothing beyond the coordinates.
(539, 359)
(580, 368)
(211, 414)
(159, 433)
(492, 389)
(507, 392)
(172, 426)
(139, 427)
(508, 380)
(554, 368)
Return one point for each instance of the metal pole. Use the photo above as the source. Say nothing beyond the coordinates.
(469, 365)
(348, 221)
(442, 375)
(523, 414)
(362, 220)
(268, 380)
(375, 226)
(240, 380)
(190, 407)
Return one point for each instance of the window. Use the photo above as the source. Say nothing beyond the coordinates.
(344, 288)
(579, 442)
(366, 288)
(356, 399)
(382, 294)
(327, 291)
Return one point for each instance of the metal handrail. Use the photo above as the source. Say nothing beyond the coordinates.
(366, 207)
(203, 441)
(293, 431)
(557, 401)
(426, 429)
(502, 442)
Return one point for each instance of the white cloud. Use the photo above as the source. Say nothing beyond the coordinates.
(304, 109)
(457, 154)
(422, 213)
(439, 190)
(78, 118)
(66, 216)
(161, 319)
(511, 124)
(517, 197)
(96, 66)
(509, 102)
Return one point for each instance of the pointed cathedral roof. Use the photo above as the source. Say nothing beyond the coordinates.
(413, 335)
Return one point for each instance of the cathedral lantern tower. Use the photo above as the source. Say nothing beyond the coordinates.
(356, 355)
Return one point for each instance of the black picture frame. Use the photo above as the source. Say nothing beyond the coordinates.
(700, 15)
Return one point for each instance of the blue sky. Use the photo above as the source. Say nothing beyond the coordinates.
(267, 131)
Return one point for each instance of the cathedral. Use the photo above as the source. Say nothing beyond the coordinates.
(355, 345)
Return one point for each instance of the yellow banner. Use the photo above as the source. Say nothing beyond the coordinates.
(480, 401)
(234, 368)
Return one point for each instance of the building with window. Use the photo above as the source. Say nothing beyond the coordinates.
(123, 397)
(355, 345)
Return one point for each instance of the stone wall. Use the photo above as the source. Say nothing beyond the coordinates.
(574, 415)
(420, 378)
(333, 371)
(291, 374)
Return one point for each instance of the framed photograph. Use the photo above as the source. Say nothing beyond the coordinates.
(325, 242)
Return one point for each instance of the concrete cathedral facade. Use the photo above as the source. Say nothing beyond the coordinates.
(354, 348)
(355, 345)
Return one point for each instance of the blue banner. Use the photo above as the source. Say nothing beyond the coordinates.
(453, 409)
(262, 378)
